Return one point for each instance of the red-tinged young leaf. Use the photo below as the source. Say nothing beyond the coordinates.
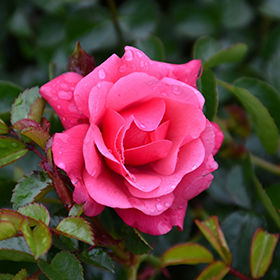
(37, 212)
(7, 230)
(80, 61)
(213, 233)
(76, 227)
(259, 115)
(63, 266)
(21, 275)
(37, 109)
(30, 188)
(21, 106)
(4, 129)
(10, 150)
(262, 248)
(187, 253)
(215, 271)
(11, 216)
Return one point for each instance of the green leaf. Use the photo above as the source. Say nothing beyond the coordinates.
(63, 266)
(66, 244)
(211, 53)
(98, 258)
(35, 211)
(6, 276)
(187, 253)
(263, 246)
(10, 150)
(267, 95)
(11, 216)
(76, 227)
(15, 249)
(6, 187)
(38, 240)
(213, 233)
(8, 93)
(214, 271)
(4, 129)
(208, 87)
(77, 210)
(30, 188)
(21, 106)
(152, 46)
(7, 230)
(37, 109)
(21, 275)
(134, 241)
(265, 126)
(273, 192)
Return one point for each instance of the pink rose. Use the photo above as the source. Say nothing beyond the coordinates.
(135, 138)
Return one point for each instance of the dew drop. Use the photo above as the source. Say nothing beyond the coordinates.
(59, 152)
(154, 87)
(166, 204)
(158, 199)
(173, 187)
(152, 210)
(14, 145)
(163, 93)
(66, 95)
(176, 90)
(194, 167)
(128, 55)
(139, 54)
(142, 64)
(159, 206)
(61, 165)
(142, 125)
(122, 68)
(58, 107)
(101, 74)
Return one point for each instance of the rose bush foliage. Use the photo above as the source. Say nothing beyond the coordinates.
(135, 138)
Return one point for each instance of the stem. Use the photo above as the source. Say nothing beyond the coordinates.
(239, 274)
(114, 13)
(265, 164)
(35, 275)
(225, 85)
(34, 150)
(132, 272)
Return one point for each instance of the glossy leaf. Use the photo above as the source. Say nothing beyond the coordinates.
(208, 87)
(4, 129)
(11, 216)
(213, 233)
(37, 109)
(187, 253)
(30, 188)
(7, 230)
(76, 227)
(265, 126)
(215, 271)
(10, 150)
(21, 275)
(35, 211)
(21, 106)
(76, 210)
(262, 248)
(63, 266)
(98, 258)
(15, 249)
(267, 95)
(65, 243)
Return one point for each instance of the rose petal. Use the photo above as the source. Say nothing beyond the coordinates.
(219, 137)
(154, 225)
(134, 137)
(147, 153)
(104, 72)
(208, 139)
(109, 189)
(160, 132)
(59, 94)
(147, 116)
(186, 123)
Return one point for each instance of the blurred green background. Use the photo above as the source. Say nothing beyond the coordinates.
(38, 34)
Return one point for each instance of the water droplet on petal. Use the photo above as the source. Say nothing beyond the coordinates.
(194, 167)
(166, 204)
(128, 55)
(61, 165)
(122, 68)
(164, 93)
(159, 206)
(154, 87)
(142, 125)
(142, 64)
(173, 187)
(66, 95)
(176, 90)
(101, 74)
(59, 152)
(58, 107)
(152, 210)
(158, 199)
(139, 54)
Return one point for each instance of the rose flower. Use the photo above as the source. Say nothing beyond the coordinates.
(135, 138)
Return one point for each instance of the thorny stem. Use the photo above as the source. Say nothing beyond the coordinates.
(114, 13)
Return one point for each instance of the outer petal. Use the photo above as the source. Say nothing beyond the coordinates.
(107, 71)
(67, 150)
(135, 60)
(59, 93)
(154, 225)
(219, 137)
